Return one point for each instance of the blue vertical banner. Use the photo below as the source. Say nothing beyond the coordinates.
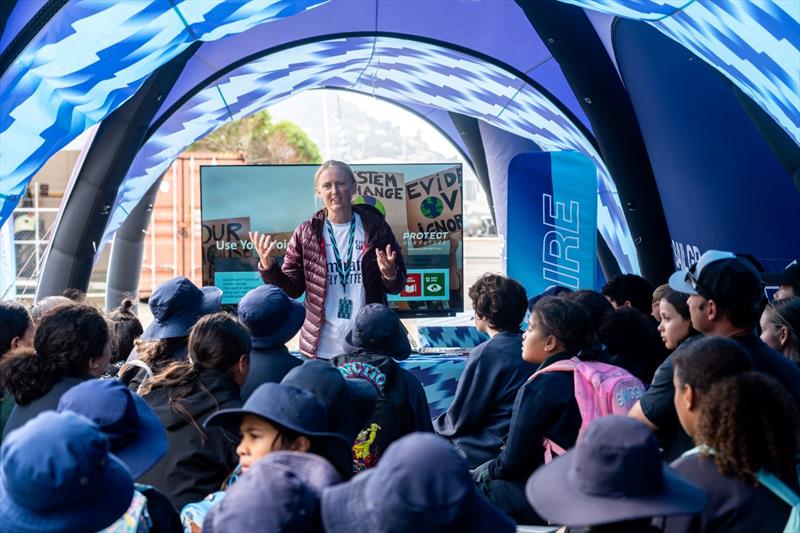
(552, 220)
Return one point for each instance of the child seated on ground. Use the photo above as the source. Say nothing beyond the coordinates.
(744, 424)
(136, 437)
(612, 481)
(545, 407)
(71, 344)
(276, 417)
(280, 494)
(421, 485)
(184, 395)
(372, 347)
(479, 416)
(58, 476)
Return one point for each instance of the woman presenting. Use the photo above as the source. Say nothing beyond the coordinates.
(345, 257)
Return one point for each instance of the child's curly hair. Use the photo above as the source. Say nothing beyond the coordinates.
(751, 423)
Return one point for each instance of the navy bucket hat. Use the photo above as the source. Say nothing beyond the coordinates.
(348, 402)
(280, 493)
(272, 317)
(176, 305)
(421, 484)
(134, 432)
(58, 476)
(287, 406)
(614, 473)
(378, 329)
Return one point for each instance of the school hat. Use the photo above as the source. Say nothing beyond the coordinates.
(722, 277)
(134, 432)
(272, 317)
(58, 476)
(279, 493)
(421, 484)
(378, 329)
(349, 402)
(614, 473)
(788, 276)
(176, 305)
(287, 406)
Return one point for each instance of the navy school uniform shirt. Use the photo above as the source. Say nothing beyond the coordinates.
(268, 365)
(478, 419)
(733, 505)
(545, 406)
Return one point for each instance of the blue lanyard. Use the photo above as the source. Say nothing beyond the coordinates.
(343, 269)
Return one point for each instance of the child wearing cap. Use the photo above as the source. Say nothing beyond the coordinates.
(184, 395)
(276, 417)
(372, 348)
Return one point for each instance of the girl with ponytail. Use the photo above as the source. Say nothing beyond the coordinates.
(184, 395)
(71, 345)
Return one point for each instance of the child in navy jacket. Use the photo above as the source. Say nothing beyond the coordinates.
(545, 407)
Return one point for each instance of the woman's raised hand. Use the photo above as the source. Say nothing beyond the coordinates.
(264, 245)
(387, 262)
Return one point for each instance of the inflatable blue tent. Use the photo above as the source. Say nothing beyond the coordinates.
(689, 109)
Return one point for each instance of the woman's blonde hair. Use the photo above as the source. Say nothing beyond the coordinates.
(332, 163)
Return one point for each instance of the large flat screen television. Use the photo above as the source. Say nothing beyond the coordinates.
(422, 204)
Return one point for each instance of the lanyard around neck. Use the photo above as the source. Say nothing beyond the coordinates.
(343, 268)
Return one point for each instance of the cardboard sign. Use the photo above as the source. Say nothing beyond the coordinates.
(385, 191)
(433, 206)
(225, 238)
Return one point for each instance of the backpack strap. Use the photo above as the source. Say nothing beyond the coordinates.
(779, 488)
(565, 365)
(551, 449)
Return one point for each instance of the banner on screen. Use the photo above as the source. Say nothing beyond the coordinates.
(552, 220)
(422, 203)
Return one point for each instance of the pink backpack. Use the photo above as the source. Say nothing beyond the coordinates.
(600, 389)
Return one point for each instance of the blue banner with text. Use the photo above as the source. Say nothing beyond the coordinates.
(552, 220)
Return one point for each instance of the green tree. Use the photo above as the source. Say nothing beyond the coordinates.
(262, 141)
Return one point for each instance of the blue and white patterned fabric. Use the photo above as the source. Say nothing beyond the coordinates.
(439, 376)
(406, 71)
(754, 43)
(90, 58)
(450, 337)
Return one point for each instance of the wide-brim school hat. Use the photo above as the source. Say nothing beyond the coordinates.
(134, 431)
(421, 484)
(287, 406)
(176, 305)
(279, 492)
(377, 328)
(57, 476)
(614, 473)
(349, 402)
(271, 316)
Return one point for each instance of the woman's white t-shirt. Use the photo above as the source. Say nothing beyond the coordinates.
(334, 329)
